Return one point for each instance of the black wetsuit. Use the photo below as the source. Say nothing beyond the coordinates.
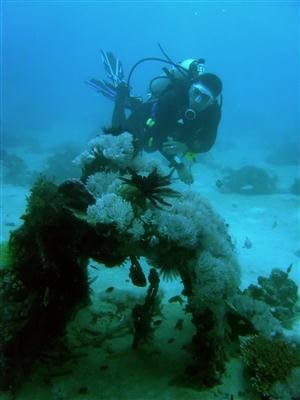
(167, 112)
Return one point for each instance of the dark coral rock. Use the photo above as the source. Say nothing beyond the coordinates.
(46, 284)
(278, 291)
(76, 194)
(295, 187)
(248, 180)
(48, 280)
(142, 314)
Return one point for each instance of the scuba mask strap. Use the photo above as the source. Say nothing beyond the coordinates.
(220, 102)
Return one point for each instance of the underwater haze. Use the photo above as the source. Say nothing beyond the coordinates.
(133, 274)
(50, 48)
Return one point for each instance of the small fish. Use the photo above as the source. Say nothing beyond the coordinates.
(171, 340)
(179, 324)
(274, 225)
(93, 266)
(83, 390)
(246, 188)
(136, 273)
(289, 268)
(109, 289)
(247, 243)
(219, 183)
(92, 280)
(157, 322)
(176, 299)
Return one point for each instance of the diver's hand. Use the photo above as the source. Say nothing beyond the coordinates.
(172, 147)
(184, 174)
(122, 91)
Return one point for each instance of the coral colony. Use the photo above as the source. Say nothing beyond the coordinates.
(123, 208)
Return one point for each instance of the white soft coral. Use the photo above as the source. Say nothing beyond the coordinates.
(118, 149)
(111, 209)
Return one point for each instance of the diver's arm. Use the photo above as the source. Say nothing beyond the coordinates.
(184, 173)
(119, 117)
(205, 137)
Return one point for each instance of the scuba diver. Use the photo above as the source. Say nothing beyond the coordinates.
(181, 116)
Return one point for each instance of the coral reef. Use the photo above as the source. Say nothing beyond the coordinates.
(59, 166)
(279, 292)
(15, 170)
(103, 182)
(268, 360)
(288, 389)
(112, 214)
(44, 286)
(6, 256)
(111, 209)
(249, 316)
(152, 187)
(106, 153)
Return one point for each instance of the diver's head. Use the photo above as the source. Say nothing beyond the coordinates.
(204, 92)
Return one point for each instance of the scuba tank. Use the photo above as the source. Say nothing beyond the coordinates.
(190, 69)
(158, 85)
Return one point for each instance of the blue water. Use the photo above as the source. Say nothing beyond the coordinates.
(50, 48)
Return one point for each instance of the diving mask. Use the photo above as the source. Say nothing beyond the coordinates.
(200, 97)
